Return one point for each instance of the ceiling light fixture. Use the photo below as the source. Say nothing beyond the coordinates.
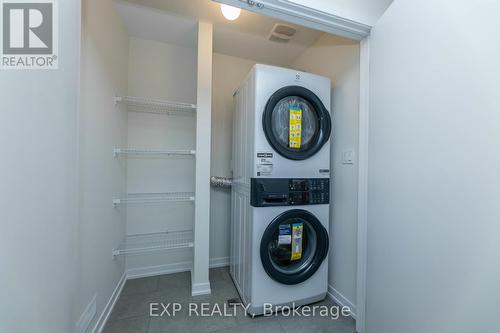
(230, 12)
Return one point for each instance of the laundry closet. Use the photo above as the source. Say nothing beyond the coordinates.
(156, 121)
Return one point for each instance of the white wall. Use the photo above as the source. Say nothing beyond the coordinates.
(102, 127)
(228, 73)
(166, 71)
(338, 59)
(160, 70)
(434, 162)
(38, 178)
(362, 11)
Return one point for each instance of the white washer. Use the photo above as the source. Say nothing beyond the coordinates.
(265, 289)
(262, 267)
(280, 189)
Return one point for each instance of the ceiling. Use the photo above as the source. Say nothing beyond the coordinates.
(175, 22)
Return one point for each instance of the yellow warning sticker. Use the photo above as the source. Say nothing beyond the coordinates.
(295, 128)
(297, 231)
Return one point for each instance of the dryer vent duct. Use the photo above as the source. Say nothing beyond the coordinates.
(222, 182)
(282, 33)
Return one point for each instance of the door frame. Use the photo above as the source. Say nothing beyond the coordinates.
(363, 148)
(306, 16)
(312, 18)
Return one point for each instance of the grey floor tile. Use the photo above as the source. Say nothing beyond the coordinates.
(244, 318)
(131, 313)
(179, 294)
(338, 326)
(129, 307)
(317, 323)
(138, 305)
(210, 324)
(169, 324)
(257, 327)
(176, 280)
(222, 285)
(221, 274)
(296, 325)
(135, 325)
(140, 286)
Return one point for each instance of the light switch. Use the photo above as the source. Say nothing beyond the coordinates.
(348, 156)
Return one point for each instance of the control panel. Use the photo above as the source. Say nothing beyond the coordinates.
(289, 192)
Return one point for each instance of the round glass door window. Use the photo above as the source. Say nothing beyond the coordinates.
(293, 246)
(296, 123)
(305, 128)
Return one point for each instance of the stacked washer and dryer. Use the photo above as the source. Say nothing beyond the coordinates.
(281, 185)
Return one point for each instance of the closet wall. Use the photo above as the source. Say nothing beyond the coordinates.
(38, 177)
(103, 126)
(433, 211)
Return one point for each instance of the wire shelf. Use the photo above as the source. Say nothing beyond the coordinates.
(152, 152)
(154, 242)
(159, 106)
(152, 198)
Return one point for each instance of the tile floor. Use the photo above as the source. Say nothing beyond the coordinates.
(131, 312)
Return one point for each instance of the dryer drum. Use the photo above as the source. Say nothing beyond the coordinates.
(315, 123)
(276, 255)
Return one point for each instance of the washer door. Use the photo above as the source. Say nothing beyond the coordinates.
(296, 123)
(293, 247)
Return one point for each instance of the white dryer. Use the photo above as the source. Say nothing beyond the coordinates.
(291, 120)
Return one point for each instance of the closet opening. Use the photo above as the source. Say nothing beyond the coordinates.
(159, 80)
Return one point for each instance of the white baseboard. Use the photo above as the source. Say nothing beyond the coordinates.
(136, 273)
(101, 322)
(87, 316)
(341, 300)
(198, 289)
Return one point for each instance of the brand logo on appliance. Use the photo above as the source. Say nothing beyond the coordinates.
(29, 34)
(297, 77)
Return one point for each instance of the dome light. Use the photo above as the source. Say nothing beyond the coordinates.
(230, 12)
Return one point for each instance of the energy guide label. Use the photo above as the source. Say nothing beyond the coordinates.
(264, 164)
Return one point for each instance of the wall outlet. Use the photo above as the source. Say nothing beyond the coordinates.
(348, 156)
(88, 314)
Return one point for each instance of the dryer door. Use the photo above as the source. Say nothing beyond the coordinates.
(293, 246)
(296, 123)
